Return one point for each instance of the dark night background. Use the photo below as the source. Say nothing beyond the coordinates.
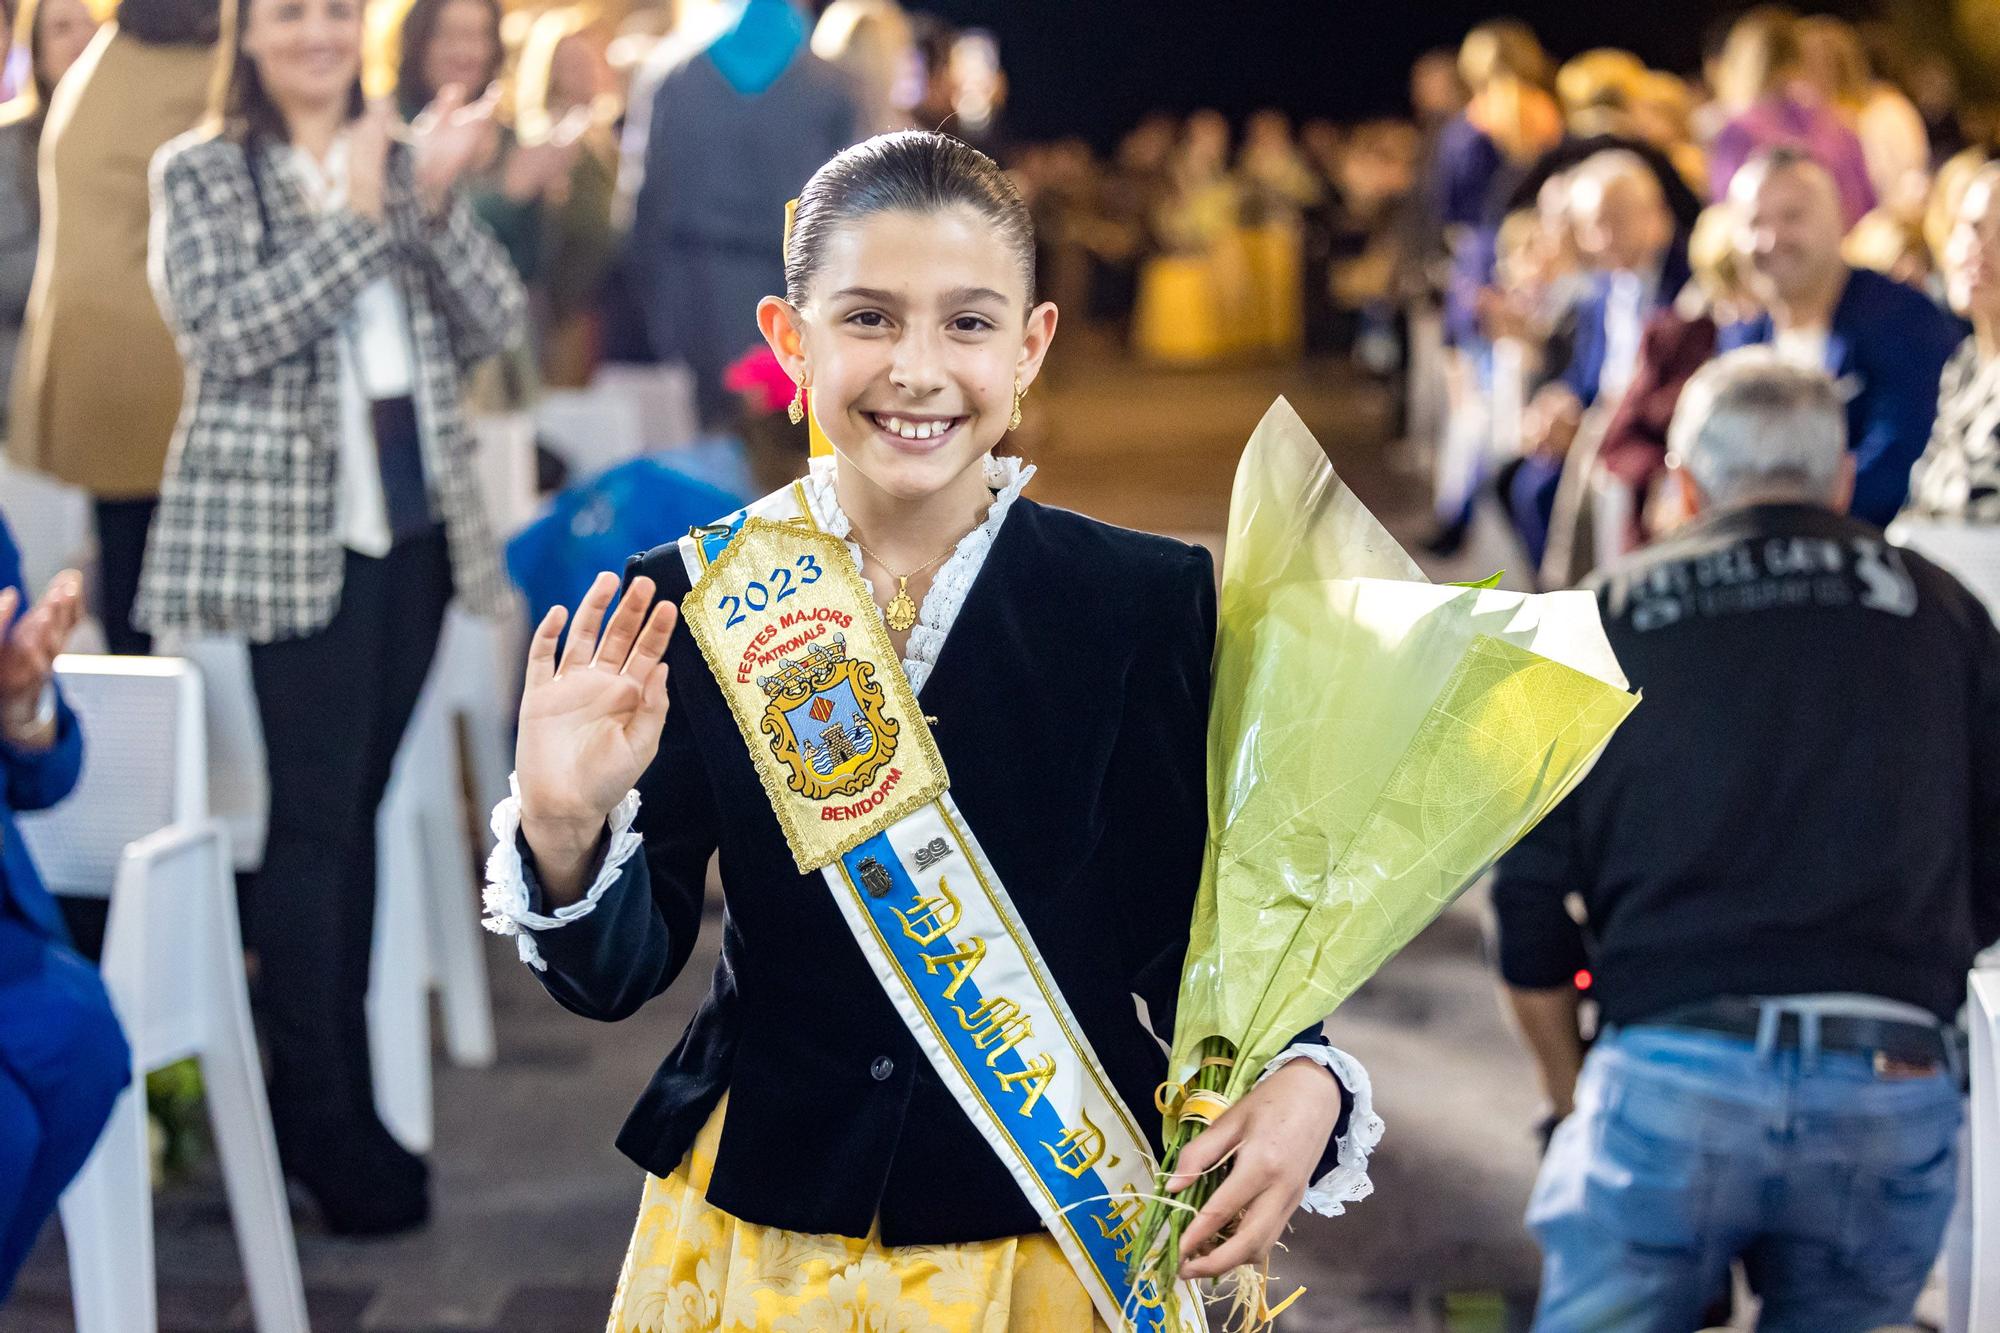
(1093, 67)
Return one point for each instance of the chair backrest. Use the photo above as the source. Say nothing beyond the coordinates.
(1983, 1133)
(1970, 551)
(145, 766)
(663, 396)
(239, 789)
(174, 933)
(591, 429)
(50, 520)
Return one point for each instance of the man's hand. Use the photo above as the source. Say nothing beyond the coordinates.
(1549, 425)
(1272, 1140)
(28, 653)
(1548, 1023)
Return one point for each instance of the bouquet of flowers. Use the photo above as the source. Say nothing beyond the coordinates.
(1375, 743)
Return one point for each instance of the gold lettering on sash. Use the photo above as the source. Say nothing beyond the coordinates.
(1118, 1223)
(1037, 1075)
(1081, 1148)
(929, 919)
(959, 963)
(997, 1026)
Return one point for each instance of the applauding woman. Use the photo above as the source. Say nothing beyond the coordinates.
(817, 1160)
(329, 290)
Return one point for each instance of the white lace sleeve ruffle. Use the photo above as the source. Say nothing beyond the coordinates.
(1348, 1182)
(506, 894)
(1005, 477)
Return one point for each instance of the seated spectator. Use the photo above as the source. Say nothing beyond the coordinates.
(1884, 343)
(1959, 474)
(1786, 860)
(1602, 92)
(63, 1059)
(1509, 118)
(1758, 80)
(1676, 344)
(1627, 236)
(1894, 144)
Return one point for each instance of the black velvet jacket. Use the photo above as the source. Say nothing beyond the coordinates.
(1071, 705)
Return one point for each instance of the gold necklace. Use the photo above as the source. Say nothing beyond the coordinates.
(901, 612)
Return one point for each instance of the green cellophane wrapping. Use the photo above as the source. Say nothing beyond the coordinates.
(1374, 744)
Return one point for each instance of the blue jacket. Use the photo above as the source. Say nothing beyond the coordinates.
(1886, 349)
(32, 780)
(1586, 363)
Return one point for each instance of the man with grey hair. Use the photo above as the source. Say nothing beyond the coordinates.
(1772, 883)
(1885, 344)
(1626, 233)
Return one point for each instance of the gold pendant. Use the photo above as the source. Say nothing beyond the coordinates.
(901, 612)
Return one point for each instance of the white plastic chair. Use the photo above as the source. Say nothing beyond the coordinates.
(51, 523)
(1983, 1134)
(663, 396)
(173, 962)
(592, 429)
(505, 454)
(239, 792)
(136, 828)
(427, 932)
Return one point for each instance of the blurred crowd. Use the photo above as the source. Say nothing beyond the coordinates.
(1596, 231)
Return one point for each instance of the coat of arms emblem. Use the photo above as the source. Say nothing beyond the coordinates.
(826, 722)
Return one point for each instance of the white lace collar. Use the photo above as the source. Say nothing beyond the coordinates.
(1005, 476)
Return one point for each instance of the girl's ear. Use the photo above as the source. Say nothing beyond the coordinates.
(1035, 345)
(784, 330)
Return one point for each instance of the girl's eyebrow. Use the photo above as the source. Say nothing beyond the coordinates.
(956, 297)
(974, 296)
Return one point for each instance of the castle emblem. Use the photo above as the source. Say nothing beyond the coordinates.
(825, 720)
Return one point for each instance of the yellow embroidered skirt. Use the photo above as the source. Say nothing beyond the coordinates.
(693, 1268)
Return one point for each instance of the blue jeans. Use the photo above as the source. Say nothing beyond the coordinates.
(1689, 1150)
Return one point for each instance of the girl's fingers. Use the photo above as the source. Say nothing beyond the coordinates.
(653, 639)
(1250, 1244)
(653, 703)
(10, 602)
(542, 648)
(1237, 1191)
(1206, 1149)
(582, 646)
(624, 625)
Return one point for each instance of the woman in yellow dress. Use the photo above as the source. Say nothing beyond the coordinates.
(808, 1166)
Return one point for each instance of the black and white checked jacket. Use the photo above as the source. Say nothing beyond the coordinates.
(244, 542)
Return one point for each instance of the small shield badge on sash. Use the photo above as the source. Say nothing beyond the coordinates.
(874, 877)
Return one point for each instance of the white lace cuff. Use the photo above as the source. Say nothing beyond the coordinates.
(506, 893)
(1348, 1182)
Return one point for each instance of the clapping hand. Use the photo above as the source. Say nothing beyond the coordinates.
(541, 170)
(590, 724)
(450, 137)
(28, 653)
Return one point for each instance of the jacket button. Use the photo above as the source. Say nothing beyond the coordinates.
(882, 1068)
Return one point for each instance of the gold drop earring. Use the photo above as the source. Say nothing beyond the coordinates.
(797, 411)
(1014, 421)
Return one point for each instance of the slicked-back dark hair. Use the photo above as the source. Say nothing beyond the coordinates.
(910, 171)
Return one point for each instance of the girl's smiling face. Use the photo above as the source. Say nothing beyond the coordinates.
(911, 340)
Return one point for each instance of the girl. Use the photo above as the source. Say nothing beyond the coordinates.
(329, 289)
(808, 1167)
